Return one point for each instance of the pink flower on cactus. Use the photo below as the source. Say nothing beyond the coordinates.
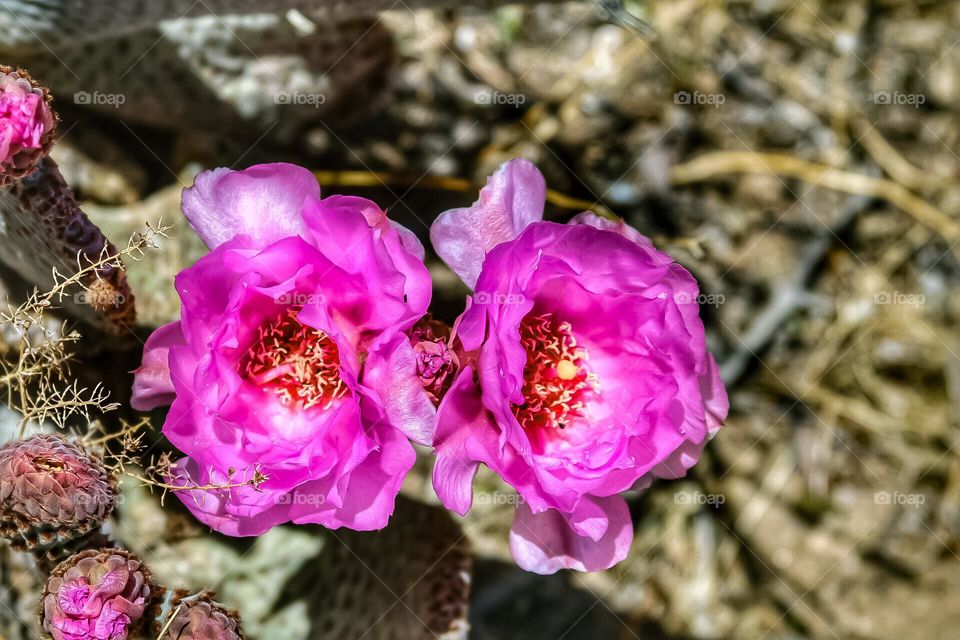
(95, 595)
(26, 123)
(291, 358)
(591, 371)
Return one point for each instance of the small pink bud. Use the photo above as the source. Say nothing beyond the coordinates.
(95, 595)
(439, 356)
(26, 124)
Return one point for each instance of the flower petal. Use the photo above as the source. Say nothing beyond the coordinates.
(513, 198)
(262, 202)
(548, 541)
(464, 435)
(212, 507)
(152, 386)
(371, 490)
(390, 373)
(622, 228)
(715, 400)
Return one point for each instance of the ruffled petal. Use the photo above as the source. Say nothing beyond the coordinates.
(215, 507)
(390, 372)
(371, 490)
(596, 536)
(512, 199)
(465, 435)
(714, 392)
(262, 202)
(152, 386)
(622, 228)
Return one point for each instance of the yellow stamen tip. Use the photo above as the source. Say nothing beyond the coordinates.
(566, 370)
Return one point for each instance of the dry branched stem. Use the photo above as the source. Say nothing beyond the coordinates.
(127, 431)
(156, 475)
(34, 380)
(31, 311)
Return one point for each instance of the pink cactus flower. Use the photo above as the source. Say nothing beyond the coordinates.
(291, 357)
(26, 124)
(95, 595)
(590, 373)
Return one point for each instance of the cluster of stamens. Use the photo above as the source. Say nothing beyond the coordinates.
(557, 381)
(300, 363)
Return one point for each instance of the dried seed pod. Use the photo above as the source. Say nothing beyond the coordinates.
(198, 617)
(27, 124)
(53, 495)
(97, 594)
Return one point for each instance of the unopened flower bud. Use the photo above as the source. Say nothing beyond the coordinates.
(26, 124)
(96, 595)
(52, 493)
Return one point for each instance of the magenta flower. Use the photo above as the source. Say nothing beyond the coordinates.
(26, 124)
(95, 595)
(291, 358)
(591, 371)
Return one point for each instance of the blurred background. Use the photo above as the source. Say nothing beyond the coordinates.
(799, 157)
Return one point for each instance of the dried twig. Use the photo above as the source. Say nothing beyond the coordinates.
(720, 163)
(31, 311)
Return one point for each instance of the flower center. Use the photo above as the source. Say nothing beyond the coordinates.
(557, 381)
(300, 363)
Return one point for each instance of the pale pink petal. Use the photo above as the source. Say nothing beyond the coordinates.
(390, 373)
(152, 386)
(513, 198)
(548, 541)
(715, 400)
(465, 434)
(262, 202)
